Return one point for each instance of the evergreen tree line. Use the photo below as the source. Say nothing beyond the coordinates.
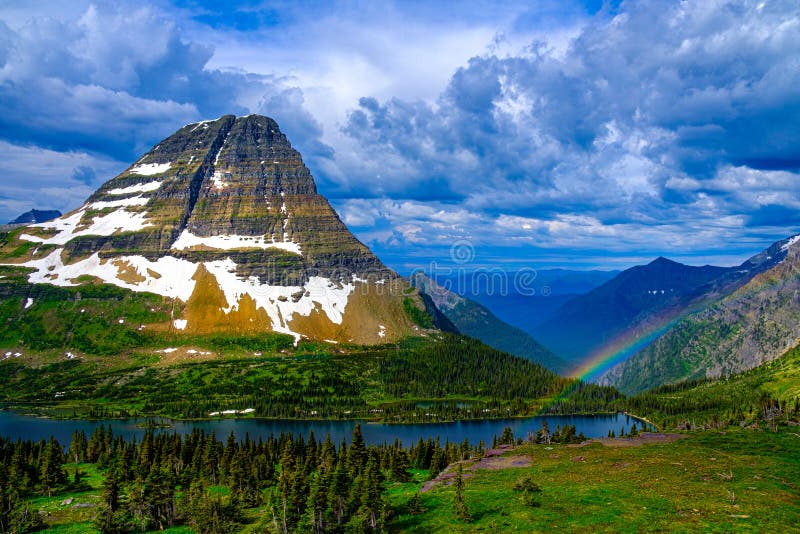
(712, 404)
(460, 365)
(295, 484)
(493, 384)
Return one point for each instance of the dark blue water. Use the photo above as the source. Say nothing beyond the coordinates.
(15, 426)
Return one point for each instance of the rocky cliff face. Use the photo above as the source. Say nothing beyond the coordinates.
(224, 217)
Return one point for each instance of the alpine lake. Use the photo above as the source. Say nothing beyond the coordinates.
(20, 426)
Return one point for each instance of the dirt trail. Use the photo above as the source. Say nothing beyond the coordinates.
(644, 438)
(493, 459)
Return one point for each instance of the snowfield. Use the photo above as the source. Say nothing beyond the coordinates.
(231, 242)
(149, 169)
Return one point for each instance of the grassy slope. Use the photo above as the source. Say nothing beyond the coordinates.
(679, 486)
(77, 516)
(729, 398)
(740, 480)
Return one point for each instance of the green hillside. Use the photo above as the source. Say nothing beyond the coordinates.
(474, 320)
(99, 350)
(755, 324)
(740, 398)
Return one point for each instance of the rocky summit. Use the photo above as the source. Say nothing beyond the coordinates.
(224, 217)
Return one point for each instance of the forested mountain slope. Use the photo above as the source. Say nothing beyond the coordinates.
(755, 324)
(475, 320)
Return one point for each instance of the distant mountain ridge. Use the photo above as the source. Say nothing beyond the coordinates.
(643, 297)
(36, 216)
(753, 324)
(475, 320)
(535, 301)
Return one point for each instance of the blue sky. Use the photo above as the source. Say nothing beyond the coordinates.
(544, 134)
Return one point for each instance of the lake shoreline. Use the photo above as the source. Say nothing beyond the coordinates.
(15, 425)
(368, 420)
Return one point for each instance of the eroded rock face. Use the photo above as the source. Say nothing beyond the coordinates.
(226, 203)
(240, 181)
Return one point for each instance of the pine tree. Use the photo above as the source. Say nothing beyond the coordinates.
(438, 462)
(399, 465)
(338, 492)
(357, 452)
(286, 485)
(507, 437)
(372, 504)
(51, 473)
(77, 447)
(316, 503)
(110, 519)
(77, 478)
(459, 505)
(543, 435)
(22, 518)
(415, 505)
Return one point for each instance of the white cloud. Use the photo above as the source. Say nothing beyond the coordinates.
(661, 127)
(33, 177)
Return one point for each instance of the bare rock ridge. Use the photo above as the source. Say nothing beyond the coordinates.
(224, 216)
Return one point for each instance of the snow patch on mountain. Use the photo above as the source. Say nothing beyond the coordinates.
(130, 201)
(103, 225)
(792, 240)
(149, 169)
(218, 180)
(168, 276)
(281, 302)
(231, 242)
(204, 124)
(173, 277)
(136, 188)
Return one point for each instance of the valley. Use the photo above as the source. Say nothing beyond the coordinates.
(353, 267)
(216, 352)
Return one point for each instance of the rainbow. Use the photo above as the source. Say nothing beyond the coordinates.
(620, 349)
(630, 342)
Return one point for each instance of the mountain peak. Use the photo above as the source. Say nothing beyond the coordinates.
(661, 260)
(36, 216)
(226, 202)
